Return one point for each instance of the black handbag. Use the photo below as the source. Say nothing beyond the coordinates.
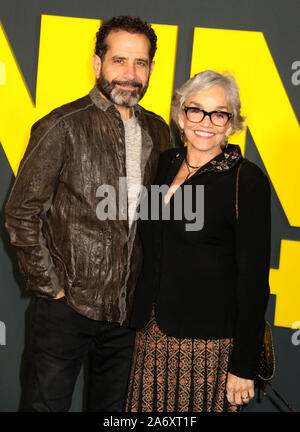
(266, 362)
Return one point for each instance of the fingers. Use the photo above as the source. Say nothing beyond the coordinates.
(251, 392)
(239, 398)
(230, 398)
(239, 390)
(245, 397)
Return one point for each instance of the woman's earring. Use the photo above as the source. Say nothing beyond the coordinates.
(182, 136)
(226, 142)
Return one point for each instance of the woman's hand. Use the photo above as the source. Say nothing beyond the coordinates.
(239, 390)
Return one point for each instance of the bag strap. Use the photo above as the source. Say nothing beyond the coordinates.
(265, 383)
(237, 188)
(289, 407)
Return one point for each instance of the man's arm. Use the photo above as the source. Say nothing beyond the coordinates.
(30, 199)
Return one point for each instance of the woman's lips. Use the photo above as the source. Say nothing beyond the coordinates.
(204, 134)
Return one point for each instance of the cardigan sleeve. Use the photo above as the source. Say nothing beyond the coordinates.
(253, 232)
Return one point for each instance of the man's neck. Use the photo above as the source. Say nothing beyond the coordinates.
(125, 112)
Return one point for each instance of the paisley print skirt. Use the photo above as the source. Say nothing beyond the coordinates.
(169, 374)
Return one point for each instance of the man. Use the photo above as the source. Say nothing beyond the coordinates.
(82, 268)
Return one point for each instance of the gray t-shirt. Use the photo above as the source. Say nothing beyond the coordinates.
(133, 143)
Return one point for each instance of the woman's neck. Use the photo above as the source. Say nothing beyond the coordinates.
(198, 158)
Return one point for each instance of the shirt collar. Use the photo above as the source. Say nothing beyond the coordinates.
(224, 161)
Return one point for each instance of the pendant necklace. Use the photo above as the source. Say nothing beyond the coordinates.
(188, 165)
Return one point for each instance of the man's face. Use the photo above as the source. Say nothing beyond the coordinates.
(123, 74)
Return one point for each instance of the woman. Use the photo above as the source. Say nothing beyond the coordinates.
(201, 298)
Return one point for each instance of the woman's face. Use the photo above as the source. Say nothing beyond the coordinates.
(205, 136)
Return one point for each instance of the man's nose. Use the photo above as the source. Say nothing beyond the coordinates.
(130, 71)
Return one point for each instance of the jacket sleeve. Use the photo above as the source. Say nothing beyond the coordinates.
(166, 141)
(29, 200)
(253, 229)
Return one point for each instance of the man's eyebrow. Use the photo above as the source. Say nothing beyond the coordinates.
(116, 57)
(146, 60)
(119, 57)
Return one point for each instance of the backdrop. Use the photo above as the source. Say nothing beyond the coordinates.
(45, 61)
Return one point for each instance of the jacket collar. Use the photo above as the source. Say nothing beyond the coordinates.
(98, 99)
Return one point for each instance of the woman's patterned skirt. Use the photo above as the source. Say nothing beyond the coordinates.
(171, 374)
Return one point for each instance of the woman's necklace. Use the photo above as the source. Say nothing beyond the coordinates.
(189, 167)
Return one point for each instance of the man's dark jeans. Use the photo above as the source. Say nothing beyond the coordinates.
(60, 338)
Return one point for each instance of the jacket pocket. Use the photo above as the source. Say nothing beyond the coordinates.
(89, 260)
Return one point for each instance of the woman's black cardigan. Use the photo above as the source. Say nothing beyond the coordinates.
(211, 283)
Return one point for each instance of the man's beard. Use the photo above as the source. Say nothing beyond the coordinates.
(120, 96)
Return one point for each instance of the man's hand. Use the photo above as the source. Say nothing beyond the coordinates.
(239, 390)
(60, 295)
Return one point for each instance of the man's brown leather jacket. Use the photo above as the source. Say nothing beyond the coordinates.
(51, 213)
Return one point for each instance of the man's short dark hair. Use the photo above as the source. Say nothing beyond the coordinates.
(126, 23)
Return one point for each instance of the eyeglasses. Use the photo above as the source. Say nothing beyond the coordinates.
(196, 115)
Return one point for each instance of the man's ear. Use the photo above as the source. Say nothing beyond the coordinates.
(97, 64)
(152, 67)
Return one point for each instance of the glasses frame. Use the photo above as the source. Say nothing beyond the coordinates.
(206, 113)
